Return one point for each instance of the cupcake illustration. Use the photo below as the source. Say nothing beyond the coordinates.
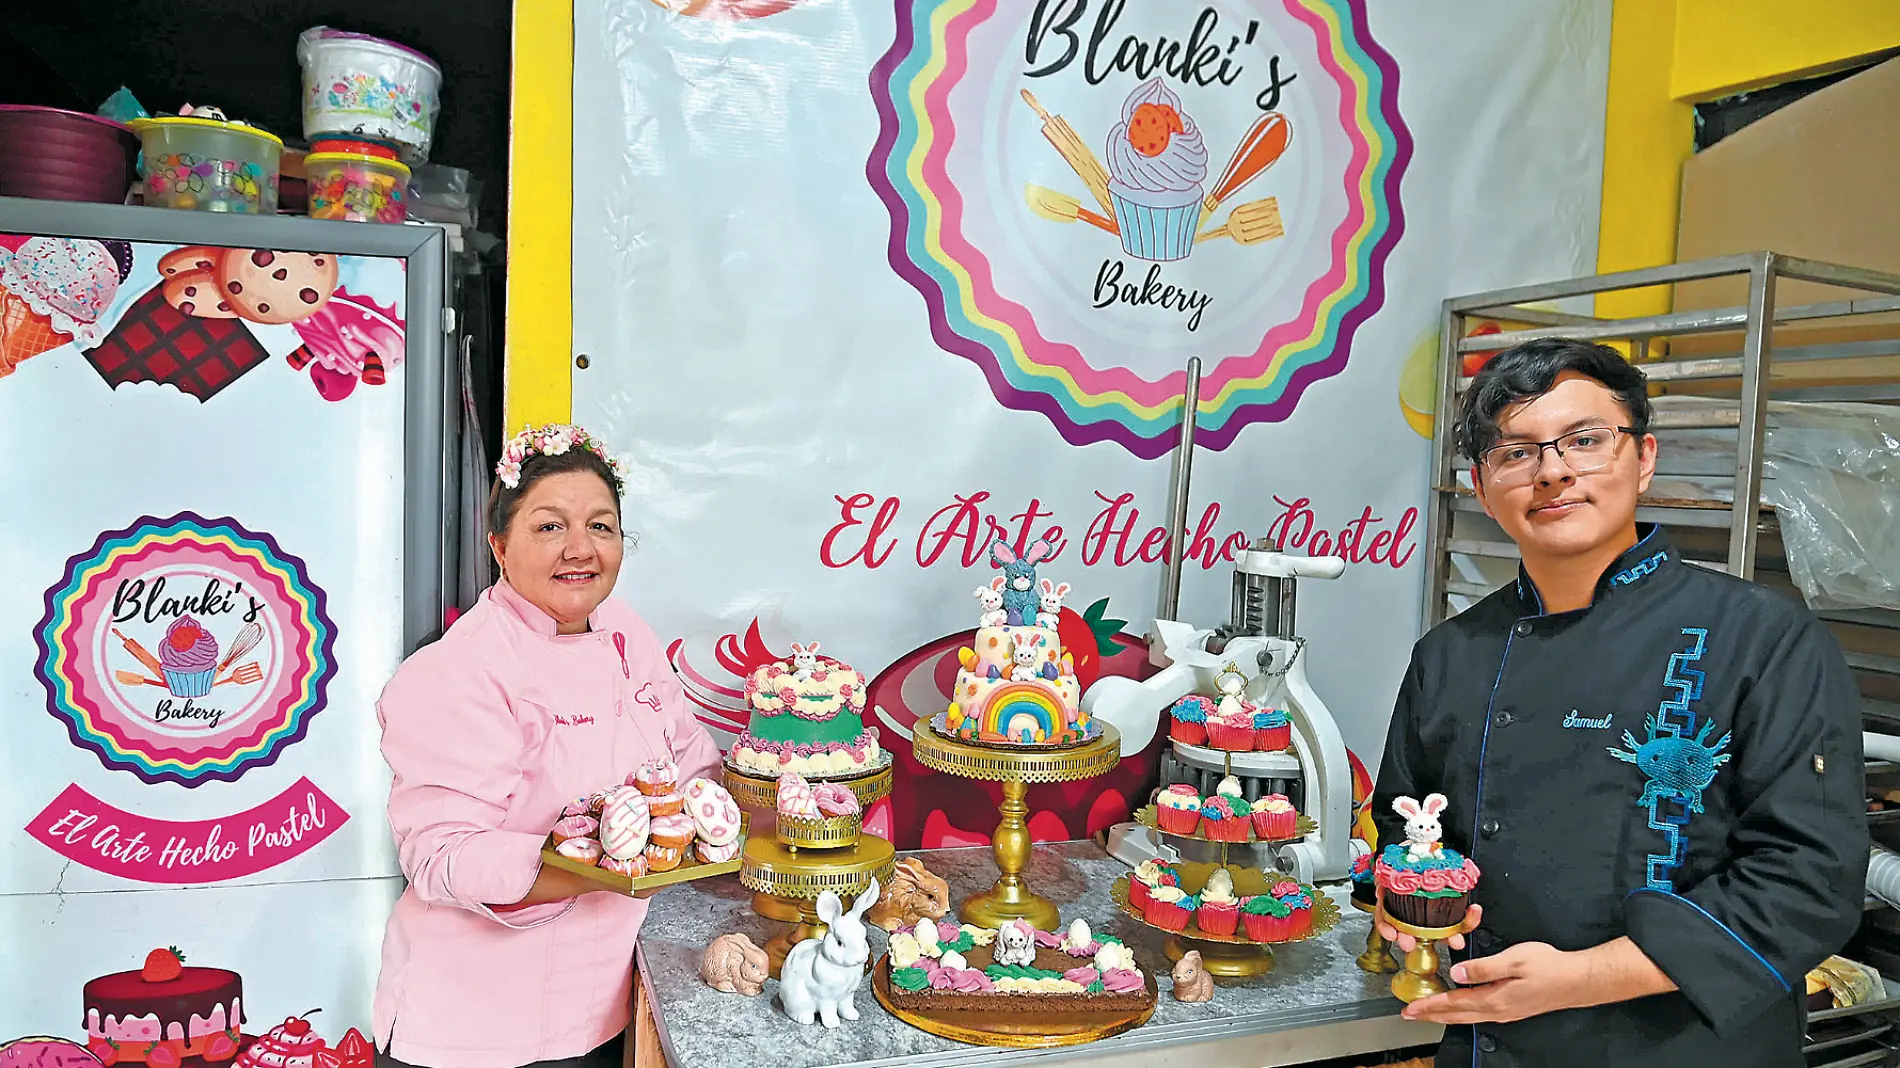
(1157, 163)
(189, 658)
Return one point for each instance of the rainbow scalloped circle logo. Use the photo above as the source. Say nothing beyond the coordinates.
(185, 650)
(1088, 193)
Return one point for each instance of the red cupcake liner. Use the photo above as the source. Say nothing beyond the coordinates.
(1177, 820)
(1276, 826)
(1299, 924)
(1265, 928)
(1137, 893)
(1218, 919)
(1231, 738)
(1273, 739)
(1232, 829)
(1191, 733)
(1167, 915)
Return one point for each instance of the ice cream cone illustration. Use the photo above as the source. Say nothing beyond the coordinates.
(24, 332)
(54, 290)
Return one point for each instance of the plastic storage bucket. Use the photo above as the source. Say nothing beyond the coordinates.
(207, 165)
(49, 154)
(356, 187)
(354, 84)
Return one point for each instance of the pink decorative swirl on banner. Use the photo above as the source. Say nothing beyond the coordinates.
(88, 831)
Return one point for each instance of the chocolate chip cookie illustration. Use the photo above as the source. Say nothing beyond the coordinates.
(265, 286)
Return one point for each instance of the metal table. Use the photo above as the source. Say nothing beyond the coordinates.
(1315, 1004)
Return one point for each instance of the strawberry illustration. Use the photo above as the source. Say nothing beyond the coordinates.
(103, 1048)
(162, 965)
(166, 1055)
(355, 1050)
(222, 1047)
(1089, 637)
(326, 1058)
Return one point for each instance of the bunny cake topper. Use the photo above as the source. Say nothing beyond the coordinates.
(821, 976)
(1423, 833)
(1049, 602)
(1020, 598)
(804, 661)
(1232, 682)
(991, 597)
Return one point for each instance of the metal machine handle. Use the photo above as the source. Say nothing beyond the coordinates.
(1287, 565)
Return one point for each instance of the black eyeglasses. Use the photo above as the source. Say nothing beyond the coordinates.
(1515, 463)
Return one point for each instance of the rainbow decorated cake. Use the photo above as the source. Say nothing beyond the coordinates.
(807, 717)
(1016, 681)
(1422, 882)
(939, 967)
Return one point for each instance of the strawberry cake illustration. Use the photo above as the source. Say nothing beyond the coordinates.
(291, 1044)
(1157, 163)
(164, 1013)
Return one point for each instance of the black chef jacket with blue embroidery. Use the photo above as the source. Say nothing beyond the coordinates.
(1681, 763)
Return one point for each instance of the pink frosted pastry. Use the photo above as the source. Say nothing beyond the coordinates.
(581, 806)
(835, 800)
(656, 777)
(795, 796)
(715, 815)
(585, 850)
(624, 823)
(575, 827)
(672, 832)
(716, 854)
(632, 868)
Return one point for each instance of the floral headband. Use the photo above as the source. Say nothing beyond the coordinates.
(552, 439)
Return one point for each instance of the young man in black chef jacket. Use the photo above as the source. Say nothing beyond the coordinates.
(1656, 766)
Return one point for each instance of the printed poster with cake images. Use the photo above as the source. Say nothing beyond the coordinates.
(883, 286)
(204, 548)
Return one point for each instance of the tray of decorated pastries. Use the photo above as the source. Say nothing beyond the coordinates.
(1229, 722)
(1221, 904)
(649, 832)
(1225, 816)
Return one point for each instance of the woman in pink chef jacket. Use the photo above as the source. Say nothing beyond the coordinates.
(547, 690)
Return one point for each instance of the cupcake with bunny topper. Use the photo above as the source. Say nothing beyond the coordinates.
(1157, 163)
(1016, 685)
(1423, 883)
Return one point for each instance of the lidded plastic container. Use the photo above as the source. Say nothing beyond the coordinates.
(209, 164)
(363, 86)
(357, 187)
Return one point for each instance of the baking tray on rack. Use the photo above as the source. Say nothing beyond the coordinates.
(690, 869)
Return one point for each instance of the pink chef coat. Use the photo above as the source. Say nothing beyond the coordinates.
(490, 732)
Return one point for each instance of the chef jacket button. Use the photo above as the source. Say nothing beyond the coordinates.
(1487, 1043)
(1522, 629)
(1490, 828)
(1503, 718)
(1484, 938)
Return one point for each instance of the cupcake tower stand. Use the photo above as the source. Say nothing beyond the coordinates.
(789, 869)
(1235, 954)
(1015, 768)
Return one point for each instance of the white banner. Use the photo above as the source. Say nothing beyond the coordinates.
(866, 283)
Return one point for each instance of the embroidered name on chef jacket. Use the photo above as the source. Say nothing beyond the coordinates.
(1576, 721)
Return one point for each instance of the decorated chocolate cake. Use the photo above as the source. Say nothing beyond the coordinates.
(939, 967)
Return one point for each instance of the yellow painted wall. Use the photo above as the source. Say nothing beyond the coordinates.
(1667, 55)
(539, 385)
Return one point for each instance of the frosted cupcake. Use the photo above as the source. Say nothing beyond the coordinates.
(189, 658)
(1157, 163)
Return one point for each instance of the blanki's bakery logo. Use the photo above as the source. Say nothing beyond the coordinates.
(185, 650)
(1088, 192)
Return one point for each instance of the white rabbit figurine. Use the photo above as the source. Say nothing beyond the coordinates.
(1232, 683)
(1422, 830)
(1052, 595)
(992, 598)
(821, 975)
(804, 660)
(1024, 652)
(1015, 944)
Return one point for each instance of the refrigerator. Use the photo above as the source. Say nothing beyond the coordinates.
(230, 505)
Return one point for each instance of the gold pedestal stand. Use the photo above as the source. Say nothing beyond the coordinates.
(786, 883)
(786, 880)
(1015, 768)
(1420, 977)
(1377, 958)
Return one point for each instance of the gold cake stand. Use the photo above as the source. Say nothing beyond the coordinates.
(1234, 955)
(786, 882)
(1377, 958)
(1015, 768)
(759, 793)
(1420, 977)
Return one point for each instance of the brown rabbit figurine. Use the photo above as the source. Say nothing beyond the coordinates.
(1192, 983)
(733, 965)
(914, 894)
